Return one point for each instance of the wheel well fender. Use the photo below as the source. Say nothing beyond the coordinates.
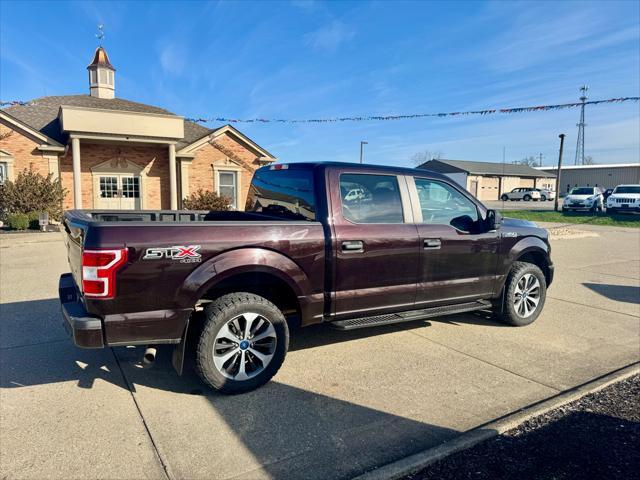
(243, 263)
(532, 250)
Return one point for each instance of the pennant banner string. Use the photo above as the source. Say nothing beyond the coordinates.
(388, 117)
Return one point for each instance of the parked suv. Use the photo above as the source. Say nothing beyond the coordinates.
(584, 198)
(624, 198)
(522, 193)
(348, 245)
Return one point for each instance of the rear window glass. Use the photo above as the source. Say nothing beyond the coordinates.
(628, 189)
(371, 198)
(282, 193)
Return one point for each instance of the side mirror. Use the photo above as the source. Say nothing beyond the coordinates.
(494, 220)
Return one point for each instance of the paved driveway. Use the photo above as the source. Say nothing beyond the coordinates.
(342, 404)
(519, 205)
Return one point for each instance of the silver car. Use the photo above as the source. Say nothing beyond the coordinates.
(522, 193)
(546, 194)
(584, 198)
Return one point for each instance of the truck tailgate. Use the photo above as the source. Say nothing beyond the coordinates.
(74, 240)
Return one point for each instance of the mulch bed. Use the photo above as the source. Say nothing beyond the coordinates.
(596, 437)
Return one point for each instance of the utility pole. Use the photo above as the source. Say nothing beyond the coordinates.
(559, 173)
(540, 156)
(579, 160)
(362, 144)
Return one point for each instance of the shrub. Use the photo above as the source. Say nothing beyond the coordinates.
(34, 220)
(32, 192)
(18, 221)
(206, 200)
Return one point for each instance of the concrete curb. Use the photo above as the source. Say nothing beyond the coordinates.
(418, 461)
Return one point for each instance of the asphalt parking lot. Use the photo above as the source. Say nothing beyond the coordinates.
(343, 403)
(520, 205)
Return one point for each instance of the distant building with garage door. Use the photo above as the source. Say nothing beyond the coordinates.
(605, 176)
(489, 180)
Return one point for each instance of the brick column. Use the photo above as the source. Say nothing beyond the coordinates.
(173, 183)
(77, 173)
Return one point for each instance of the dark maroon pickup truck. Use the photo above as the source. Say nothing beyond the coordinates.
(350, 245)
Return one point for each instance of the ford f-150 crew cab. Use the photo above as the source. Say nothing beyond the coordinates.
(346, 244)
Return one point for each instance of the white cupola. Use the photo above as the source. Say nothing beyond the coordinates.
(101, 75)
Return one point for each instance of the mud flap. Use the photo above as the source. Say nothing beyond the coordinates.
(177, 359)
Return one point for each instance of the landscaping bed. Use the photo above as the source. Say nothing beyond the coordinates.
(597, 436)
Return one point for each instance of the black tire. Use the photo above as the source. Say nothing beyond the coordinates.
(543, 198)
(507, 313)
(504, 198)
(526, 198)
(217, 314)
(566, 209)
(611, 211)
(593, 208)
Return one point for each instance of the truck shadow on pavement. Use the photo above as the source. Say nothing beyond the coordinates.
(618, 293)
(278, 431)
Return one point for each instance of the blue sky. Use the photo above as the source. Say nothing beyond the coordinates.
(307, 59)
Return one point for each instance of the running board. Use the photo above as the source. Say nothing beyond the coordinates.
(391, 318)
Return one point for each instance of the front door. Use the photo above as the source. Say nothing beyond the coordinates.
(376, 250)
(459, 257)
(119, 192)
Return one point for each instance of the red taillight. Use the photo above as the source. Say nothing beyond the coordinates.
(99, 269)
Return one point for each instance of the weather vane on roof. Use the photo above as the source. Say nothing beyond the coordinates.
(100, 34)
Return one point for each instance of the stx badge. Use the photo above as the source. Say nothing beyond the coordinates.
(188, 254)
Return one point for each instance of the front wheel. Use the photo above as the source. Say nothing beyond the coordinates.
(504, 198)
(243, 343)
(525, 294)
(611, 211)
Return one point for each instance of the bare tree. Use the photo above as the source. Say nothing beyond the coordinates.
(419, 158)
(530, 161)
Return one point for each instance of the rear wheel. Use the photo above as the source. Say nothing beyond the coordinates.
(543, 198)
(243, 343)
(525, 294)
(526, 198)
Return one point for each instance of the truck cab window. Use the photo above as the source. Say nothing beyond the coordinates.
(371, 198)
(286, 193)
(442, 204)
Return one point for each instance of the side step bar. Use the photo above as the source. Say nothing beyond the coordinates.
(409, 316)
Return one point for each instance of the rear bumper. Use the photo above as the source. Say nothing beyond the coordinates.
(86, 330)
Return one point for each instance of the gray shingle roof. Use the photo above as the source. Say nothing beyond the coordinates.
(484, 168)
(42, 114)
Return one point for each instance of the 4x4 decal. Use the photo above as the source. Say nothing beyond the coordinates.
(184, 254)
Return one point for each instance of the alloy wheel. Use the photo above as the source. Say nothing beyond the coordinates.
(527, 295)
(244, 346)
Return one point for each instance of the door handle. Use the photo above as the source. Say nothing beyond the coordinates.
(353, 246)
(432, 243)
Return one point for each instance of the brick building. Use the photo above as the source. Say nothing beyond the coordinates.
(112, 153)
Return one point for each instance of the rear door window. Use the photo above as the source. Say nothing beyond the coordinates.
(371, 198)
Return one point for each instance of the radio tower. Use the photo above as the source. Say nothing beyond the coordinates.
(580, 145)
